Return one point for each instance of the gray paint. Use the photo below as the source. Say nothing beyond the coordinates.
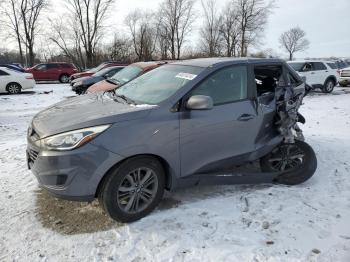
(190, 143)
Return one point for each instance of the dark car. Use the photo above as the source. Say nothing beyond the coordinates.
(13, 67)
(94, 70)
(53, 71)
(80, 85)
(127, 74)
(202, 121)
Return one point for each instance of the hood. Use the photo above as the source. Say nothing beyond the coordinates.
(78, 75)
(85, 111)
(88, 80)
(101, 86)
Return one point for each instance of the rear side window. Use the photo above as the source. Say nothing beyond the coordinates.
(225, 86)
(66, 65)
(317, 66)
(332, 65)
(267, 78)
(3, 73)
(52, 66)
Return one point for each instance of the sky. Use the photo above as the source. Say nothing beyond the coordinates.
(326, 23)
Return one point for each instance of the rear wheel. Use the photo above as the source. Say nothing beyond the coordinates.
(133, 189)
(328, 86)
(297, 162)
(13, 88)
(64, 78)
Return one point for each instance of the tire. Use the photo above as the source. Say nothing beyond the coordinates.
(298, 170)
(14, 88)
(123, 195)
(64, 78)
(328, 86)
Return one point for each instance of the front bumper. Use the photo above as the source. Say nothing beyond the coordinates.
(74, 174)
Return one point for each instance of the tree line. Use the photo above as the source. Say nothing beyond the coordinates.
(79, 36)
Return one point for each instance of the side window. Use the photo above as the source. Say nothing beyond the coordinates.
(332, 65)
(41, 67)
(307, 67)
(319, 66)
(52, 66)
(267, 78)
(3, 73)
(65, 65)
(225, 86)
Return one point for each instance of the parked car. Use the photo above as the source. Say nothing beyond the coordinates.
(53, 72)
(344, 79)
(318, 74)
(13, 67)
(94, 70)
(123, 76)
(182, 124)
(14, 82)
(80, 85)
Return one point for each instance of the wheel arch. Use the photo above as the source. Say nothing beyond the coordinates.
(331, 77)
(169, 174)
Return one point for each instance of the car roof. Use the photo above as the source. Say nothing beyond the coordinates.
(207, 62)
(149, 64)
(310, 61)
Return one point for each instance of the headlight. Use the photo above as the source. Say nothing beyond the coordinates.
(73, 139)
(80, 83)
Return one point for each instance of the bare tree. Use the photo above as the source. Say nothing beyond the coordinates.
(210, 32)
(229, 30)
(11, 19)
(90, 16)
(66, 36)
(252, 15)
(177, 17)
(294, 40)
(120, 49)
(143, 33)
(30, 11)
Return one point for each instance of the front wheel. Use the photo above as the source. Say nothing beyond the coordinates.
(133, 189)
(296, 162)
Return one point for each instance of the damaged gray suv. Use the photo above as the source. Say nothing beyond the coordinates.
(203, 121)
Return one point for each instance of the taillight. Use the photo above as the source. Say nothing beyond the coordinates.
(339, 71)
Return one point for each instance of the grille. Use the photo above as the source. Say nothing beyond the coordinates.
(345, 73)
(33, 155)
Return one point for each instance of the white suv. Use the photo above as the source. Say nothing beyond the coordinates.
(318, 74)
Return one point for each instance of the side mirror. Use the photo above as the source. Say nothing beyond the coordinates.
(199, 102)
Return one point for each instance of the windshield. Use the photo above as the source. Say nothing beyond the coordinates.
(126, 74)
(297, 66)
(96, 69)
(158, 84)
(102, 72)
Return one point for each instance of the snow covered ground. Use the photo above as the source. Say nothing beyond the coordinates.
(309, 222)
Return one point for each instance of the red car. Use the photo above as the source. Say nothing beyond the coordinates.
(53, 71)
(95, 70)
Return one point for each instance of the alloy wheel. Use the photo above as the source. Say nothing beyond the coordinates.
(286, 157)
(330, 86)
(137, 190)
(13, 89)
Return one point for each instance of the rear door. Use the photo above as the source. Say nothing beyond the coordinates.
(319, 73)
(216, 139)
(4, 80)
(53, 72)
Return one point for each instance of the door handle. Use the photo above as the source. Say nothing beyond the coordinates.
(245, 117)
(312, 73)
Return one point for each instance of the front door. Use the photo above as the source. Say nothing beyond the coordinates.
(212, 140)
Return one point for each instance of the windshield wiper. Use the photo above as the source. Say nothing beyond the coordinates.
(112, 81)
(126, 99)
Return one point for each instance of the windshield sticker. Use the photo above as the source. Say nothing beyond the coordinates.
(187, 76)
